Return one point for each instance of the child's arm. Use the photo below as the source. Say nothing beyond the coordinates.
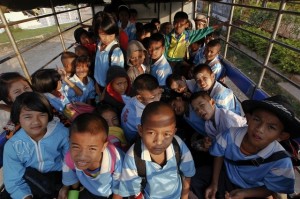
(210, 192)
(257, 192)
(77, 90)
(116, 196)
(185, 187)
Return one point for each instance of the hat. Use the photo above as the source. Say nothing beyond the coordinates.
(280, 106)
(78, 32)
(201, 17)
(114, 72)
(136, 46)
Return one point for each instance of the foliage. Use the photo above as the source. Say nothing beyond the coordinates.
(282, 58)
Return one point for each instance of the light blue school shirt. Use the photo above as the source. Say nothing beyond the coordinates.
(199, 56)
(131, 118)
(88, 90)
(161, 69)
(215, 66)
(162, 182)
(102, 62)
(130, 30)
(225, 98)
(196, 122)
(277, 176)
(105, 183)
(21, 152)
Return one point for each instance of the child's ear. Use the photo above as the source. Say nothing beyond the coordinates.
(104, 146)
(140, 130)
(213, 76)
(139, 97)
(212, 102)
(283, 136)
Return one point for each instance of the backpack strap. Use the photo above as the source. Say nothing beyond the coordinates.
(111, 52)
(69, 162)
(258, 161)
(112, 150)
(177, 153)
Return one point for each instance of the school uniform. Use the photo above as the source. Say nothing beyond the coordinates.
(59, 103)
(21, 152)
(224, 119)
(105, 182)
(216, 66)
(131, 118)
(225, 98)
(102, 62)
(88, 90)
(277, 176)
(192, 85)
(176, 45)
(130, 30)
(162, 182)
(161, 69)
(199, 56)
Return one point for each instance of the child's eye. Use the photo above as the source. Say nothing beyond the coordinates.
(272, 127)
(92, 149)
(255, 118)
(75, 147)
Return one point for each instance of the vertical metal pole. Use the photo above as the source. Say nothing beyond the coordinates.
(271, 44)
(93, 9)
(182, 5)
(14, 45)
(58, 27)
(229, 29)
(194, 8)
(158, 8)
(170, 14)
(208, 12)
(78, 12)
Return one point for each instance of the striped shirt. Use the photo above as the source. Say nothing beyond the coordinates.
(161, 69)
(88, 90)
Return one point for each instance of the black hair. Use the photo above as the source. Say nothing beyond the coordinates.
(202, 67)
(214, 43)
(139, 26)
(155, 20)
(89, 122)
(67, 55)
(149, 27)
(83, 49)
(171, 78)
(78, 32)
(102, 108)
(6, 79)
(157, 37)
(45, 80)
(202, 94)
(181, 16)
(32, 101)
(145, 82)
(80, 60)
(155, 108)
(146, 42)
(105, 22)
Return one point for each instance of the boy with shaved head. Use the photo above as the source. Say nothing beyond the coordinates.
(163, 169)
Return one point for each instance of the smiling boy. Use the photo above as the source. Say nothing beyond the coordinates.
(157, 131)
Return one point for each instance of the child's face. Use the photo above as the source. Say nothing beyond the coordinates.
(86, 149)
(204, 108)
(157, 25)
(85, 39)
(205, 80)
(194, 47)
(179, 86)
(120, 84)
(156, 49)
(105, 38)
(17, 88)
(137, 58)
(111, 118)
(168, 29)
(211, 52)
(180, 25)
(82, 70)
(158, 131)
(178, 106)
(67, 63)
(263, 128)
(34, 123)
(200, 24)
(146, 96)
(123, 16)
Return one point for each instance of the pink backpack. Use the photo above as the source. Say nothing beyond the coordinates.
(112, 150)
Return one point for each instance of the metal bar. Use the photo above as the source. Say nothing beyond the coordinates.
(259, 8)
(78, 12)
(170, 14)
(38, 43)
(158, 7)
(208, 12)
(229, 29)
(14, 45)
(58, 26)
(93, 9)
(271, 44)
(194, 8)
(38, 17)
(182, 5)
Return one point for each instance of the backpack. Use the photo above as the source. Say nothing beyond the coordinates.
(112, 150)
(141, 164)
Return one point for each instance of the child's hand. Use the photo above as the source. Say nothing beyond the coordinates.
(236, 194)
(62, 73)
(63, 193)
(210, 192)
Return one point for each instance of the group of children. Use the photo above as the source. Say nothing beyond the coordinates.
(151, 101)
